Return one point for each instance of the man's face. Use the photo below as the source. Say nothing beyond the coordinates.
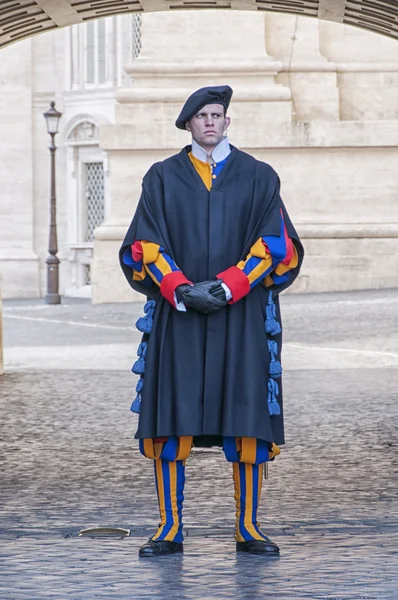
(208, 125)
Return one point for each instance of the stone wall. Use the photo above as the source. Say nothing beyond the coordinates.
(316, 100)
(303, 92)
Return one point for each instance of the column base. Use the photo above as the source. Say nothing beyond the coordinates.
(108, 284)
(52, 299)
(20, 276)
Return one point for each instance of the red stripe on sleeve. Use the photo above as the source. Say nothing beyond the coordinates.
(289, 248)
(136, 251)
(169, 284)
(237, 282)
(266, 247)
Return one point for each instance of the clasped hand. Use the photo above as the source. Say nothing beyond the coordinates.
(206, 297)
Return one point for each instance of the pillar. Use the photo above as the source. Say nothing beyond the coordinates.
(18, 262)
(311, 78)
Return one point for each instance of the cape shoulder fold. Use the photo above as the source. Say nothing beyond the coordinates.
(244, 180)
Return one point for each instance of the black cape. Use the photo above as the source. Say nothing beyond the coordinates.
(208, 375)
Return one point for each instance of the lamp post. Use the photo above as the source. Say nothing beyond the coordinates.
(52, 117)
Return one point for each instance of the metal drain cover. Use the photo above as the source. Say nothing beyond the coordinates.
(118, 532)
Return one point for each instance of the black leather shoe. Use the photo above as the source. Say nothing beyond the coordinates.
(158, 548)
(258, 547)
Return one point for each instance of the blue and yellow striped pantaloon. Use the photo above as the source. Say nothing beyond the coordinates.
(247, 456)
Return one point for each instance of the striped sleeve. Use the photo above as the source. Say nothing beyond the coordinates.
(269, 260)
(132, 257)
(162, 270)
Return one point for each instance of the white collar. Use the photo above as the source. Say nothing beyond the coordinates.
(219, 153)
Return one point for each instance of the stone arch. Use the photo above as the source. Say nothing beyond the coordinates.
(83, 128)
(21, 19)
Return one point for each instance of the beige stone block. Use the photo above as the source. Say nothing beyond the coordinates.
(368, 96)
(202, 34)
(108, 282)
(20, 276)
(343, 43)
(180, 78)
(349, 264)
(337, 185)
(127, 170)
(315, 95)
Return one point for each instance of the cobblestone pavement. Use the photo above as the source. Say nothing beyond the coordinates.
(68, 461)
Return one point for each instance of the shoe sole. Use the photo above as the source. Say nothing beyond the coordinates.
(156, 554)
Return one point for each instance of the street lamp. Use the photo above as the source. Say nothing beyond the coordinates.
(52, 117)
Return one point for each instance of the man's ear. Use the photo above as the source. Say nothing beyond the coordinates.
(227, 122)
(187, 126)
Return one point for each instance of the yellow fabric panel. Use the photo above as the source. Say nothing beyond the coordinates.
(173, 497)
(152, 449)
(249, 450)
(163, 265)
(162, 503)
(148, 448)
(185, 446)
(158, 447)
(139, 276)
(203, 169)
(269, 281)
(248, 517)
(236, 478)
(150, 252)
(259, 250)
(246, 447)
(260, 269)
(274, 452)
(152, 255)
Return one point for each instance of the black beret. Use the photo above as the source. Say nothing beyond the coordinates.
(220, 94)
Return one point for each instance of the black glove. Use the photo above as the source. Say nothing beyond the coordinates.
(218, 291)
(179, 291)
(205, 297)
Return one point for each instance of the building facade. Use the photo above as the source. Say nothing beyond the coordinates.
(317, 100)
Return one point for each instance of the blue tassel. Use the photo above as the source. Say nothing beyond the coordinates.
(136, 405)
(271, 324)
(139, 366)
(275, 367)
(273, 392)
(149, 306)
(145, 324)
(142, 348)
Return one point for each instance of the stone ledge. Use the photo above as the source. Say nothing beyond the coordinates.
(332, 67)
(347, 230)
(266, 93)
(145, 68)
(317, 134)
(305, 230)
